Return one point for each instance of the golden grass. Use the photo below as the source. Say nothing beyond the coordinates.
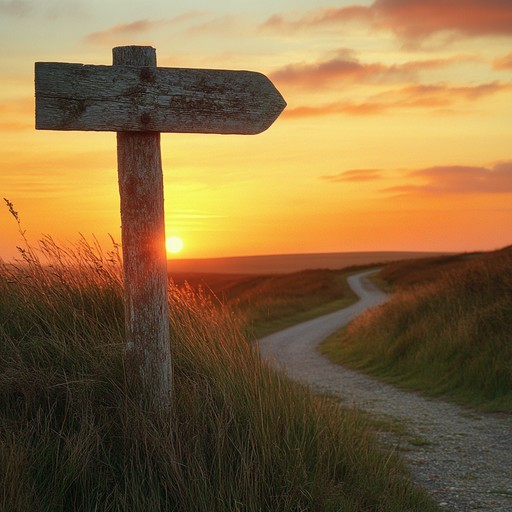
(239, 436)
(268, 303)
(449, 336)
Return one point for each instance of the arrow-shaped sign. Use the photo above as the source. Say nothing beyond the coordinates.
(139, 100)
(133, 98)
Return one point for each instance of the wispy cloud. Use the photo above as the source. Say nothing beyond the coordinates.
(187, 16)
(50, 9)
(336, 108)
(15, 7)
(124, 30)
(137, 28)
(410, 19)
(319, 17)
(414, 19)
(314, 75)
(220, 25)
(503, 62)
(429, 97)
(441, 95)
(439, 180)
(458, 179)
(346, 68)
(354, 175)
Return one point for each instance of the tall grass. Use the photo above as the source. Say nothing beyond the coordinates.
(272, 302)
(239, 436)
(451, 336)
(420, 271)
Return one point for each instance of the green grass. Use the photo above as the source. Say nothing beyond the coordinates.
(420, 271)
(269, 303)
(239, 436)
(450, 336)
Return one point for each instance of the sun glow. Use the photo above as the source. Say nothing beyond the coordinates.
(174, 244)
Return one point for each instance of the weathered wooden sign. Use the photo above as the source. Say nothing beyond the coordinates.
(138, 100)
(133, 98)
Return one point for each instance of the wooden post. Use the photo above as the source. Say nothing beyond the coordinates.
(138, 101)
(143, 241)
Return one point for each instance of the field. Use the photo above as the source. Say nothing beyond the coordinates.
(446, 331)
(275, 292)
(267, 303)
(74, 434)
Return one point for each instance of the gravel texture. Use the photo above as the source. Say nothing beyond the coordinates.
(461, 457)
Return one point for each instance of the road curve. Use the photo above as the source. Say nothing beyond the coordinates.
(461, 457)
(294, 349)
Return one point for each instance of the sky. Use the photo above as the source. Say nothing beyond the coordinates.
(397, 135)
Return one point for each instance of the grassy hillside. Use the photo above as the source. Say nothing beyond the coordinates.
(73, 437)
(272, 302)
(404, 274)
(447, 330)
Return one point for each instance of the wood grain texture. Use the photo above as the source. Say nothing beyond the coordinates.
(144, 256)
(146, 98)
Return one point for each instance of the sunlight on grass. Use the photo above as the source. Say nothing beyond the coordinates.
(239, 435)
(269, 303)
(449, 336)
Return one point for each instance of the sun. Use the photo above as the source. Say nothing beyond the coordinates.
(174, 244)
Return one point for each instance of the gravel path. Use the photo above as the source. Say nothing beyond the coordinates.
(461, 457)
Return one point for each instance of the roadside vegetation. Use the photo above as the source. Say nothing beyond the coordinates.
(268, 303)
(407, 273)
(239, 436)
(446, 331)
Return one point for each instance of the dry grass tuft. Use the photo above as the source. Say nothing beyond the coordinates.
(450, 336)
(272, 302)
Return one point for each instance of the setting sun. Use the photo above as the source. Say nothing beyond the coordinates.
(422, 96)
(174, 244)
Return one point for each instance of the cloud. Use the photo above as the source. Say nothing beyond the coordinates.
(124, 30)
(430, 97)
(440, 95)
(503, 63)
(411, 20)
(439, 180)
(141, 27)
(346, 68)
(329, 109)
(458, 179)
(15, 7)
(57, 9)
(187, 16)
(220, 25)
(326, 16)
(52, 9)
(354, 175)
(320, 73)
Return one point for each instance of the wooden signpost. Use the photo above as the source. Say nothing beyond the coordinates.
(138, 100)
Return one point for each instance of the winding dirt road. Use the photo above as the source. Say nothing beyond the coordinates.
(463, 458)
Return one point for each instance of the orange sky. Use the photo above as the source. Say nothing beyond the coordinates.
(397, 134)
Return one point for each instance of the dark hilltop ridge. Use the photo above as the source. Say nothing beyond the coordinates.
(283, 263)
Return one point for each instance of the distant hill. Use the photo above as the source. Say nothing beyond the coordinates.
(283, 263)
